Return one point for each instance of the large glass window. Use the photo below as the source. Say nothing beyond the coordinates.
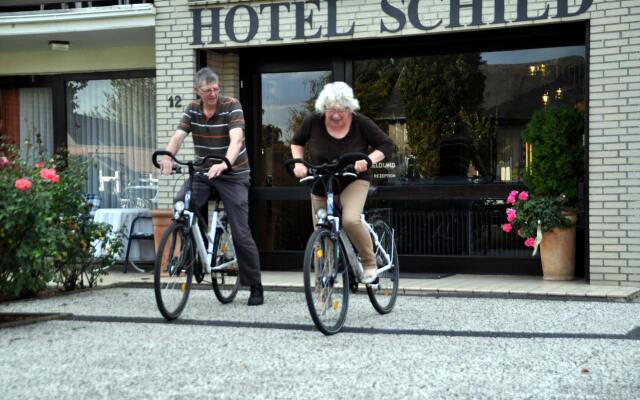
(457, 118)
(111, 122)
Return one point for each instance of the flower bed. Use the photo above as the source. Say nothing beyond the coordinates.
(45, 225)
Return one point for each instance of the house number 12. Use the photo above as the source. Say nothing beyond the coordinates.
(174, 101)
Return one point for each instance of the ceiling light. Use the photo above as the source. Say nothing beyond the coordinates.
(58, 45)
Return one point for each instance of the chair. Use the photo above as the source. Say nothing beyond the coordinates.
(135, 235)
(93, 199)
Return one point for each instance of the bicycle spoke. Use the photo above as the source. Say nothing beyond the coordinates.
(225, 281)
(174, 271)
(325, 288)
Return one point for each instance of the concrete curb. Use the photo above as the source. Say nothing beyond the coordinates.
(20, 319)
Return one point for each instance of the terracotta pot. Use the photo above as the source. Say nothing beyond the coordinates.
(161, 220)
(558, 252)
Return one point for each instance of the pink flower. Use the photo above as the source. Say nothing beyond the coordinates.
(511, 214)
(23, 184)
(507, 227)
(49, 174)
(39, 164)
(4, 161)
(530, 242)
(512, 197)
(523, 196)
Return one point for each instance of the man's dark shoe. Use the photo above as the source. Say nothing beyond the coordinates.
(257, 295)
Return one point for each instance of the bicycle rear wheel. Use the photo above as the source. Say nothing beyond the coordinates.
(326, 282)
(225, 280)
(174, 270)
(384, 291)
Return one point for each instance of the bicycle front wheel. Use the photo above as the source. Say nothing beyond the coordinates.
(384, 291)
(174, 270)
(326, 282)
(225, 276)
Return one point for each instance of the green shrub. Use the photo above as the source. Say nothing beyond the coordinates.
(46, 234)
(557, 165)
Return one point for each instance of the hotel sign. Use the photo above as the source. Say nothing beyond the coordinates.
(219, 23)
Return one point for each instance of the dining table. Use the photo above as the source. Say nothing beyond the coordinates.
(122, 218)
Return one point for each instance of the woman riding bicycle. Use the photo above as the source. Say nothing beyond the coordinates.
(336, 129)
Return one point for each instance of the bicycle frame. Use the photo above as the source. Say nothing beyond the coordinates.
(378, 246)
(333, 222)
(205, 252)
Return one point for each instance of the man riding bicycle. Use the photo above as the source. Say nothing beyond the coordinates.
(216, 123)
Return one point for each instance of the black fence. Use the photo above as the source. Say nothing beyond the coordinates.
(453, 228)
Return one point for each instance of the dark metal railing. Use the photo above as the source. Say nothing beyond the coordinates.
(471, 229)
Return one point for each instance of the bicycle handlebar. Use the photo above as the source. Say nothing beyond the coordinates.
(190, 164)
(345, 162)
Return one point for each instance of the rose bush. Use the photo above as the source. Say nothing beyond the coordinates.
(46, 233)
(530, 216)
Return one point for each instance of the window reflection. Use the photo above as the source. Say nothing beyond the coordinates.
(286, 99)
(111, 122)
(457, 118)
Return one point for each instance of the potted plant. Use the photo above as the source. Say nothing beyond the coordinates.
(547, 214)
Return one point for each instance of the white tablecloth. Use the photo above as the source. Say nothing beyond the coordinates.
(141, 250)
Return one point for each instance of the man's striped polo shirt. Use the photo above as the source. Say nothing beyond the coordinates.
(212, 136)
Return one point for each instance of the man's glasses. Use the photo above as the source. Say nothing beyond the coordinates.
(209, 91)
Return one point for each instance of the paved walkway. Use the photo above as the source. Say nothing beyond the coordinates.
(455, 284)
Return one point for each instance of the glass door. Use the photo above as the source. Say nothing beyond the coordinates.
(282, 222)
(286, 98)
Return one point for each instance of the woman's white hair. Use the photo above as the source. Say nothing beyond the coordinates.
(336, 94)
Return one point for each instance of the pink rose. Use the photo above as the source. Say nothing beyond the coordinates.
(507, 227)
(23, 184)
(530, 242)
(4, 161)
(49, 174)
(511, 214)
(39, 164)
(523, 196)
(512, 197)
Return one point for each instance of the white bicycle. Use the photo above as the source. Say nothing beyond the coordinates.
(331, 265)
(184, 253)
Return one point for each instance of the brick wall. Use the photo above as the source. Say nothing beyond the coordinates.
(614, 143)
(614, 93)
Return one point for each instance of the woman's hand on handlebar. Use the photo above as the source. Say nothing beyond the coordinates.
(300, 171)
(166, 166)
(360, 166)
